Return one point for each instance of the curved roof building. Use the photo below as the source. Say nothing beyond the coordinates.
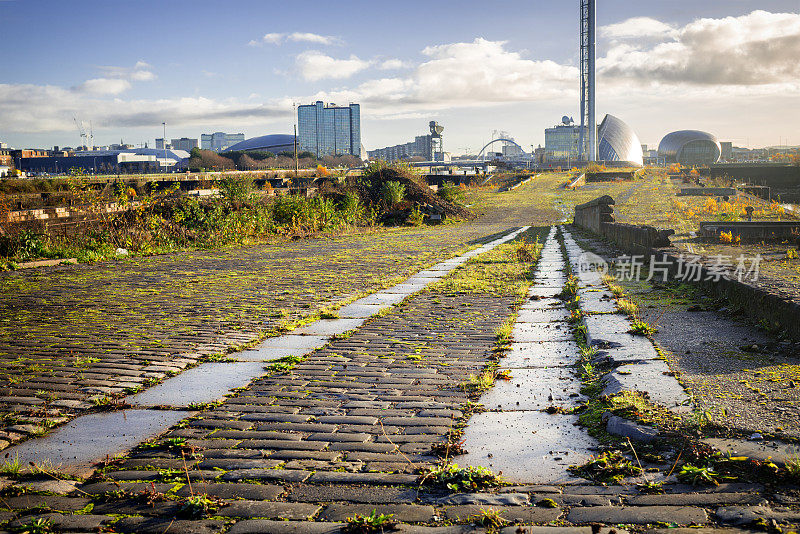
(690, 147)
(617, 142)
(274, 143)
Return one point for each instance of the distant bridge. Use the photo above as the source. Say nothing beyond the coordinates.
(499, 140)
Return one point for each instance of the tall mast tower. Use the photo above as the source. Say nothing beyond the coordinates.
(588, 133)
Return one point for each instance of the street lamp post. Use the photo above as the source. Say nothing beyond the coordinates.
(164, 142)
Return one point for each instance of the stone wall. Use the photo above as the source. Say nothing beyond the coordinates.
(761, 304)
(598, 216)
(752, 231)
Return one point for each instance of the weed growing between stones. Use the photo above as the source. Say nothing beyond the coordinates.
(610, 466)
(456, 478)
(489, 519)
(374, 522)
(39, 525)
(11, 466)
(197, 506)
(628, 307)
(570, 291)
(650, 488)
(699, 476)
(287, 363)
(485, 380)
(793, 466)
(504, 332)
(641, 328)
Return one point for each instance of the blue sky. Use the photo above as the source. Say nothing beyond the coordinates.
(725, 66)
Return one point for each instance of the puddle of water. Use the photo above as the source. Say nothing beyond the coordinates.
(527, 447)
(206, 383)
(534, 389)
(90, 438)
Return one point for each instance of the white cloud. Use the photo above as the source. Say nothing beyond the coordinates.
(476, 73)
(27, 108)
(313, 38)
(392, 64)
(273, 38)
(297, 37)
(103, 86)
(140, 72)
(637, 28)
(458, 75)
(313, 65)
(757, 49)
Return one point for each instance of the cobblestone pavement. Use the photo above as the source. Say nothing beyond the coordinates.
(72, 339)
(347, 431)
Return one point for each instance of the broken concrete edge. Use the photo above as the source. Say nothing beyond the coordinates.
(44, 263)
(613, 425)
(628, 429)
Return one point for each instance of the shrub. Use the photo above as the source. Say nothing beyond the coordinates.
(451, 192)
(393, 192)
(236, 188)
(416, 217)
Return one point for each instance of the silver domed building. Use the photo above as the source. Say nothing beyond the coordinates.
(618, 143)
(690, 147)
(274, 143)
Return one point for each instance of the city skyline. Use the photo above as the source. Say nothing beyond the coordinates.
(724, 67)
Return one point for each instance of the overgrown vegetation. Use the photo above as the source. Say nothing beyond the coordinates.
(158, 221)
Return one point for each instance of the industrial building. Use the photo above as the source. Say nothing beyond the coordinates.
(96, 162)
(219, 141)
(275, 143)
(689, 147)
(562, 142)
(184, 143)
(329, 130)
(428, 147)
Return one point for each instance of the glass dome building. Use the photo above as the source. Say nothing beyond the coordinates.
(275, 143)
(690, 147)
(618, 143)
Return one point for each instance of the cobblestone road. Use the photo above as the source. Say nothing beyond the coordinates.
(343, 432)
(73, 338)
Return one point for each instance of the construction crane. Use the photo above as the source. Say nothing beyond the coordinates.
(87, 139)
(81, 132)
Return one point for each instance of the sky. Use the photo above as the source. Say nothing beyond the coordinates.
(729, 67)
